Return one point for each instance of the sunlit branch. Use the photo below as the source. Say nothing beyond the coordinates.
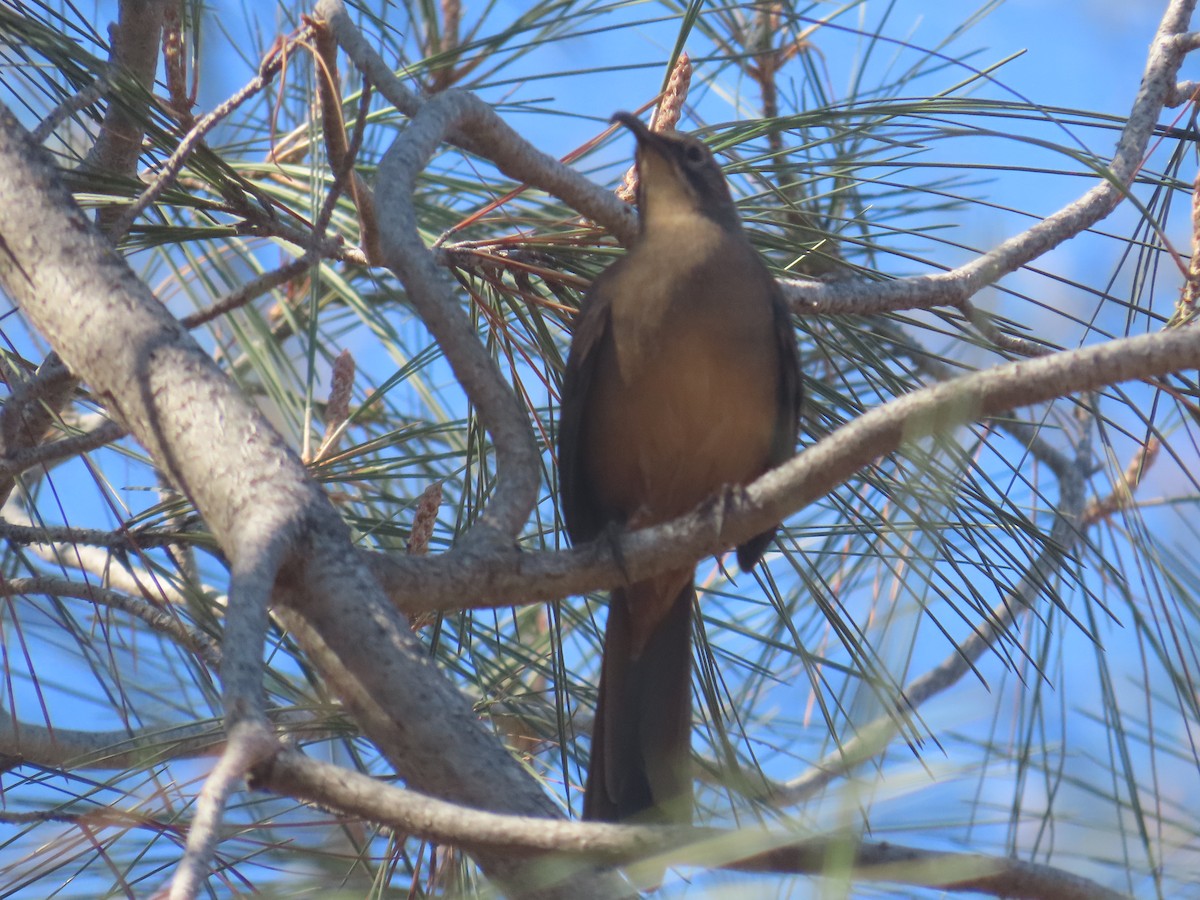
(582, 844)
(1158, 88)
(421, 585)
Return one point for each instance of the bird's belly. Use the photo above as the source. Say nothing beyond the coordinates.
(690, 418)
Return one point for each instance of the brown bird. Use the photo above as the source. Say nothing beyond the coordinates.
(683, 378)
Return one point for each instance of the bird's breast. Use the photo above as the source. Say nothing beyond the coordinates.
(687, 402)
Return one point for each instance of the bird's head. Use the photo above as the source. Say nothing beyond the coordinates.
(677, 176)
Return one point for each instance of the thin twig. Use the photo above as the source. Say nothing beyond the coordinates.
(267, 71)
(341, 155)
(73, 104)
(48, 455)
(249, 744)
(72, 548)
(31, 409)
(94, 817)
(1001, 341)
(337, 409)
(1171, 44)
(250, 291)
(95, 537)
(1186, 308)
(159, 620)
(242, 669)
(1122, 495)
(60, 748)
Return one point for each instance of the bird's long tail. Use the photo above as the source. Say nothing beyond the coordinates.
(641, 743)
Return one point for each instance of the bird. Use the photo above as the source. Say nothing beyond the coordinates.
(682, 380)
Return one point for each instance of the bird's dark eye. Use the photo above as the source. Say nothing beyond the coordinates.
(695, 154)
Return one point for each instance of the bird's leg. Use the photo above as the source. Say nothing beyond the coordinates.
(613, 531)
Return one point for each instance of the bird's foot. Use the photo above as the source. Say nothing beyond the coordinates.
(727, 500)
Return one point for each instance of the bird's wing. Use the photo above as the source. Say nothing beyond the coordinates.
(791, 386)
(580, 511)
(787, 417)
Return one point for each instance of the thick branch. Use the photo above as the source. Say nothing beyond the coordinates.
(435, 298)
(249, 487)
(466, 578)
(136, 38)
(484, 133)
(348, 792)
(68, 748)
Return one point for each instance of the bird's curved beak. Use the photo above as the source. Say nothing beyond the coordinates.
(633, 123)
(641, 131)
